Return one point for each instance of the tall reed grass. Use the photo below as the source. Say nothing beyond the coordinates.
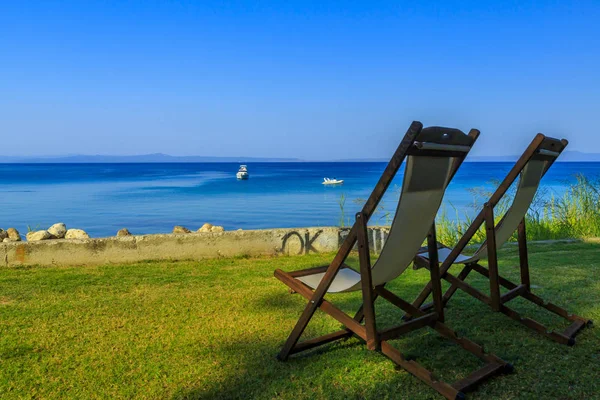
(574, 215)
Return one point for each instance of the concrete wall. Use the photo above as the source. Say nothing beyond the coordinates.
(190, 246)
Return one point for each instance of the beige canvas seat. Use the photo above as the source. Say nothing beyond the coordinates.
(432, 156)
(530, 168)
(423, 188)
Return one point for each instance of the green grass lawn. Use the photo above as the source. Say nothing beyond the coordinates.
(212, 329)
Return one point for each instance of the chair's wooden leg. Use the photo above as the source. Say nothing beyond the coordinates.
(366, 282)
(315, 300)
(294, 336)
(523, 258)
(434, 270)
(331, 337)
(492, 257)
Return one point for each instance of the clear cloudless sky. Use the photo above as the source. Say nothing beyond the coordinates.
(308, 79)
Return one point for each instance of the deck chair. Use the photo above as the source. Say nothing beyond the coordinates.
(432, 157)
(531, 167)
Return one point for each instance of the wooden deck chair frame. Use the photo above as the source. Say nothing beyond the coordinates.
(539, 149)
(378, 340)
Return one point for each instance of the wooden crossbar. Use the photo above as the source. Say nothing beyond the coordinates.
(574, 328)
(417, 323)
(513, 293)
(489, 370)
(321, 340)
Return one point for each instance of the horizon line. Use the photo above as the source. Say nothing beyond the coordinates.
(157, 158)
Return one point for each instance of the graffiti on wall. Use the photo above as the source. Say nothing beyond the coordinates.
(296, 243)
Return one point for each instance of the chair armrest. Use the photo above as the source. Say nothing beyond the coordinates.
(425, 249)
(312, 271)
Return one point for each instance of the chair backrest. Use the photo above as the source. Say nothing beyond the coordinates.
(430, 164)
(529, 181)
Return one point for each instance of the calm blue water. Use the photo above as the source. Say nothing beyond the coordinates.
(152, 198)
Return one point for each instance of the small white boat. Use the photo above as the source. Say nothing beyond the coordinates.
(243, 172)
(327, 181)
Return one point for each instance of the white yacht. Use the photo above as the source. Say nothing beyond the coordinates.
(327, 181)
(243, 172)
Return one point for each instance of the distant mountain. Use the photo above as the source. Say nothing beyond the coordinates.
(165, 158)
(362, 160)
(570, 156)
(566, 156)
(146, 158)
(579, 156)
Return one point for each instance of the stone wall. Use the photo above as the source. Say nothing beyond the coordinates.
(191, 246)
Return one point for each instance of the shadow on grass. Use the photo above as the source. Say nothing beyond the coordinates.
(257, 373)
(16, 352)
(346, 369)
(335, 370)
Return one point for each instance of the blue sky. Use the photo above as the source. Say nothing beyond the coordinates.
(314, 80)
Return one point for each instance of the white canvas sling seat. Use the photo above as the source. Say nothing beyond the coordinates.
(529, 169)
(425, 181)
(433, 155)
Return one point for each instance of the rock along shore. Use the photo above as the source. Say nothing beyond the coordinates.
(60, 231)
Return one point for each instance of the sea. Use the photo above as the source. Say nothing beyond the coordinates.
(153, 198)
